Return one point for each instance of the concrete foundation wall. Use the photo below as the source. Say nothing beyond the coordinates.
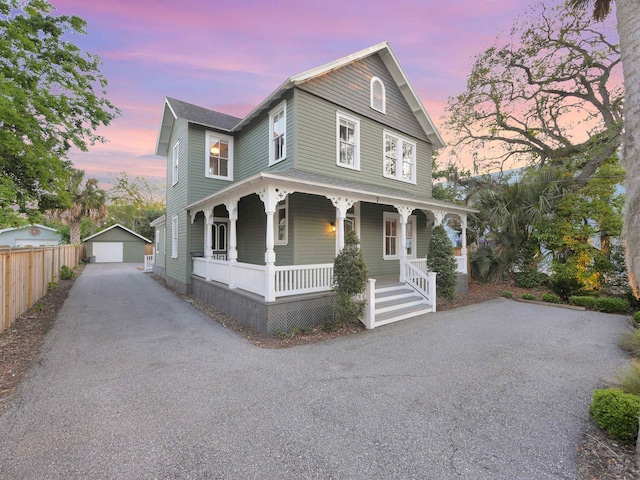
(463, 284)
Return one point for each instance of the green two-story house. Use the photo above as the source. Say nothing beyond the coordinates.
(258, 207)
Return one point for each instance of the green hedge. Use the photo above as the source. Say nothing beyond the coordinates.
(616, 413)
(602, 304)
(550, 298)
(528, 296)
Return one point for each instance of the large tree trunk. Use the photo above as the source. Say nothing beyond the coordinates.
(74, 233)
(628, 18)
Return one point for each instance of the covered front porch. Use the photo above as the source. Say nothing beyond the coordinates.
(302, 229)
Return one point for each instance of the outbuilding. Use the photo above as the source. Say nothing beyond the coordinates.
(30, 236)
(116, 244)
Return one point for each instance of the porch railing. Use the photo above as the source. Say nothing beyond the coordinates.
(461, 264)
(422, 282)
(419, 263)
(285, 280)
(148, 263)
(299, 279)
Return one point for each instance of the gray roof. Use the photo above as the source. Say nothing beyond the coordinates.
(202, 116)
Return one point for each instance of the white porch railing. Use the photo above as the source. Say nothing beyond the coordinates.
(419, 263)
(286, 280)
(148, 263)
(422, 282)
(299, 279)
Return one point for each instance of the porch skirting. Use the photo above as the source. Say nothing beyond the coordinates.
(300, 311)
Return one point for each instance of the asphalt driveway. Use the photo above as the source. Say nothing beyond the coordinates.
(133, 382)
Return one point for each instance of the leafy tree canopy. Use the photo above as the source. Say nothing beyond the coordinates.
(51, 99)
(531, 98)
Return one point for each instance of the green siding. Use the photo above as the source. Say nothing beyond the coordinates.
(316, 147)
(132, 249)
(349, 86)
(314, 241)
(177, 195)
(197, 234)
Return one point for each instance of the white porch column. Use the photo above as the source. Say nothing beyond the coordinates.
(463, 223)
(232, 254)
(342, 205)
(404, 212)
(208, 237)
(208, 241)
(270, 196)
(438, 217)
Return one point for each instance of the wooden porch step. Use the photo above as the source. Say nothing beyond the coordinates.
(398, 303)
(396, 293)
(403, 314)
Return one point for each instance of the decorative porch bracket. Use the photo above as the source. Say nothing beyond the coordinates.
(270, 196)
(342, 205)
(438, 217)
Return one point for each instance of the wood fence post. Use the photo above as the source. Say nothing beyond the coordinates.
(7, 292)
(30, 282)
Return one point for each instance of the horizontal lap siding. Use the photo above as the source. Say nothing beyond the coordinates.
(316, 147)
(177, 195)
(159, 258)
(314, 240)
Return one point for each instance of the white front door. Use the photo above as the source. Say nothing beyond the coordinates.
(219, 232)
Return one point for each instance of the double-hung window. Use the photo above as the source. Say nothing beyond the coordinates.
(391, 236)
(348, 141)
(278, 133)
(399, 158)
(174, 160)
(219, 152)
(281, 226)
(174, 237)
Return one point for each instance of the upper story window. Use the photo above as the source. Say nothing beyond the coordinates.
(348, 141)
(174, 161)
(378, 95)
(399, 158)
(281, 222)
(219, 162)
(278, 133)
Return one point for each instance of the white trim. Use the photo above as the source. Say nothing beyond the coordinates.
(120, 226)
(164, 238)
(283, 205)
(399, 158)
(356, 155)
(174, 237)
(157, 239)
(281, 107)
(175, 162)
(396, 216)
(209, 136)
(158, 221)
(382, 110)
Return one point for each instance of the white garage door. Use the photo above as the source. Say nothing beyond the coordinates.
(108, 252)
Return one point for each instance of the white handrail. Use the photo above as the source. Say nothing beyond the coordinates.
(298, 279)
(421, 282)
(148, 263)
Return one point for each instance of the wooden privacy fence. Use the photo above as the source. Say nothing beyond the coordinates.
(25, 274)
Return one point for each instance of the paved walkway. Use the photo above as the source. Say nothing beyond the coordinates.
(133, 382)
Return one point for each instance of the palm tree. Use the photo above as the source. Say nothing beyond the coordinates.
(87, 200)
(628, 19)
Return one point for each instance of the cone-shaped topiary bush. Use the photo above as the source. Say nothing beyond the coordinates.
(350, 279)
(441, 260)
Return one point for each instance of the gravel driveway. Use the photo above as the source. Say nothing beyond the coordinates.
(133, 382)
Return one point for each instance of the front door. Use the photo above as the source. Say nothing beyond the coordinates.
(219, 237)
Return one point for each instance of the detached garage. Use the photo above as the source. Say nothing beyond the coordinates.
(116, 244)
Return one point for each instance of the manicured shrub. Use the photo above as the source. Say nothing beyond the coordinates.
(630, 342)
(616, 413)
(441, 260)
(529, 277)
(611, 305)
(582, 301)
(550, 298)
(528, 296)
(636, 319)
(564, 283)
(350, 280)
(506, 294)
(628, 379)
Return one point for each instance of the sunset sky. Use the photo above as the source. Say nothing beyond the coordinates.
(229, 55)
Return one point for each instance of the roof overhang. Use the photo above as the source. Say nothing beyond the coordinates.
(119, 226)
(369, 194)
(158, 221)
(164, 133)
